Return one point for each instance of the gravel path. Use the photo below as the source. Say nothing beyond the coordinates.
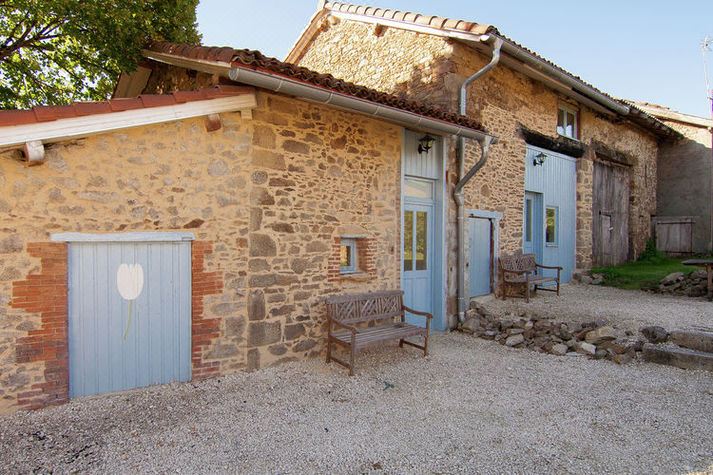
(630, 309)
(473, 406)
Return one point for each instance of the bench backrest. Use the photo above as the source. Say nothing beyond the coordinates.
(371, 306)
(518, 262)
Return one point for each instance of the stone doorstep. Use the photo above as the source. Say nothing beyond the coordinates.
(683, 358)
(694, 340)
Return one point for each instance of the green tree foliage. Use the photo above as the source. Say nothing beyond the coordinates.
(56, 51)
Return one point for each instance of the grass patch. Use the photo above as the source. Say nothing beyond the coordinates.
(642, 274)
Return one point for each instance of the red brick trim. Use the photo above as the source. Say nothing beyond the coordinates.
(366, 258)
(203, 330)
(45, 292)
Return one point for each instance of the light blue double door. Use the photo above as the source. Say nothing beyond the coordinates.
(129, 315)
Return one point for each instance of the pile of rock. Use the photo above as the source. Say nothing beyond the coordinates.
(595, 339)
(587, 278)
(694, 284)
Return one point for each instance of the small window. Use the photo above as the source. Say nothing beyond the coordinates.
(552, 225)
(347, 256)
(567, 122)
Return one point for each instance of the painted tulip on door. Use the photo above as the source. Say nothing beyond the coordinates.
(130, 282)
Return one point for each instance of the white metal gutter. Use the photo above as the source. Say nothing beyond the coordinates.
(317, 94)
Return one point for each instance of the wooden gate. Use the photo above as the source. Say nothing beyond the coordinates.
(610, 220)
(674, 234)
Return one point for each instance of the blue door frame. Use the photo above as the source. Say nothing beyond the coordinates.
(419, 171)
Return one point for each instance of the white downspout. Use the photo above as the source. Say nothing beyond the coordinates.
(464, 178)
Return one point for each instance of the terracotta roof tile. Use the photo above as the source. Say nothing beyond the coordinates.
(79, 109)
(255, 60)
(637, 115)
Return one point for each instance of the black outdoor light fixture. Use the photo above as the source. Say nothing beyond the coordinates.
(425, 143)
(539, 159)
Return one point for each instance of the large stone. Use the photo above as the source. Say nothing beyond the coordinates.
(586, 348)
(264, 333)
(294, 331)
(655, 334)
(264, 137)
(317, 246)
(304, 345)
(256, 305)
(559, 349)
(218, 168)
(471, 325)
(600, 335)
(694, 340)
(515, 340)
(268, 159)
(296, 147)
(262, 245)
(225, 309)
(12, 243)
(679, 357)
(672, 278)
(261, 197)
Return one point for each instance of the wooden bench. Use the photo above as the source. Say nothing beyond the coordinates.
(356, 321)
(521, 270)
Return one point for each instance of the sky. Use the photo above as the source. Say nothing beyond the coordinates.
(635, 49)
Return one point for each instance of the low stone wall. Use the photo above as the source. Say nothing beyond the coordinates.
(694, 284)
(597, 339)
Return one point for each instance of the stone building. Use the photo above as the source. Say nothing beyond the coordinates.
(195, 231)
(573, 176)
(685, 183)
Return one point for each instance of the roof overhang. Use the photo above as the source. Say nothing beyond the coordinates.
(313, 93)
(514, 56)
(14, 136)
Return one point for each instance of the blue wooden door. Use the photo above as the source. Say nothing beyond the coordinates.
(129, 315)
(552, 181)
(480, 241)
(418, 257)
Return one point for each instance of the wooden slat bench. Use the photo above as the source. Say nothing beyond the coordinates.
(356, 321)
(521, 270)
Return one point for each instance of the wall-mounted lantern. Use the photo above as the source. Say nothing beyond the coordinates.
(425, 143)
(539, 159)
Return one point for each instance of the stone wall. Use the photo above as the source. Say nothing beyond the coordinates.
(265, 198)
(684, 177)
(432, 69)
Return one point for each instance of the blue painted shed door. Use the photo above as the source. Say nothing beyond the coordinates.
(479, 237)
(126, 331)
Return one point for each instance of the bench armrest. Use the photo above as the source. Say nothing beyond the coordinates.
(417, 312)
(549, 267)
(342, 325)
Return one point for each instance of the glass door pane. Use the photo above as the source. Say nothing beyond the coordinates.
(408, 240)
(421, 240)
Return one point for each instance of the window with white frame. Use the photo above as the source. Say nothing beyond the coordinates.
(347, 256)
(567, 122)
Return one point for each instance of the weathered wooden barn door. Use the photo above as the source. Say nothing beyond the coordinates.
(129, 315)
(610, 220)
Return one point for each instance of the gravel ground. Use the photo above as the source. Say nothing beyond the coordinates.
(473, 406)
(630, 309)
